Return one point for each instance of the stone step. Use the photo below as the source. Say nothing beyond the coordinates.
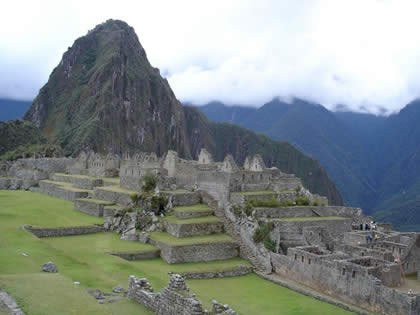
(142, 255)
(90, 206)
(194, 249)
(63, 190)
(194, 211)
(242, 196)
(192, 227)
(182, 197)
(114, 193)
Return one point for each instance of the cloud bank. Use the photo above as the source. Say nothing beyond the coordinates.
(361, 54)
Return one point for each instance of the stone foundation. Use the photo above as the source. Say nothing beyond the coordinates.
(193, 229)
(138, 256)
(64, 231)
(95, 208)
(121, 198)
(197, 252)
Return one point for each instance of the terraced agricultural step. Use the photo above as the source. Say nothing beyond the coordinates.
(182, 197)
(85, 181)
(114, 193)
(284, 212)
(194, 249)
(111, 209)
(138, 255)
(91, 206)
(63, 190)
(194, 211)
(242, 196)
(193, 227)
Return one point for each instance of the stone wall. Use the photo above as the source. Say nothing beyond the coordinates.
(67, 193)
(64, 231)
(192, 229)
(89, 207)
(196, 252)
(347, 281)
(114, 196)
(137, 256)
(8, 304)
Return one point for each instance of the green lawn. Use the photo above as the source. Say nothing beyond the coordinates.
(291, 219)
(82, 258)
(209, 219)
(205, 239)
(118, 189)
(99, 202)
(194, 208)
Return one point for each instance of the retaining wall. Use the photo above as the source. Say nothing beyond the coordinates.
(193, 229)
(63, 231)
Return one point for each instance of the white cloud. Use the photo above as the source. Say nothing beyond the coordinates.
(357, 53)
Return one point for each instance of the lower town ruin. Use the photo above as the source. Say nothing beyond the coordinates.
(255, 212)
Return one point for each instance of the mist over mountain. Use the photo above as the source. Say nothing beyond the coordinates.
(373, 160)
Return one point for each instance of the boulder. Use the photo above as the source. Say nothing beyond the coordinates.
(49, 267)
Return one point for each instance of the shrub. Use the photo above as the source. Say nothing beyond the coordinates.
(270, 244)
(302, 201)
(158, 204)
(149, 182)
(315, 203)
(298, 189)
(237, 210)
(268, 203)
(262, 232)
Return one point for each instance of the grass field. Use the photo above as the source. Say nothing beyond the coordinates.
(83, 259)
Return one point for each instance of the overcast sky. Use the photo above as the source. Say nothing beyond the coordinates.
(364, 54)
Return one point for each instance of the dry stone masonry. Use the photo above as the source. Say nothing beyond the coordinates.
(218, 210)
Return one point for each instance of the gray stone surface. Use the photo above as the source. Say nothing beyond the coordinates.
(50, 267)
(65, 231)
(180, 229)
(8, 304)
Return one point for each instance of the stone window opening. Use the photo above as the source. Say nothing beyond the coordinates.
(295, 257)
(363, 253)
(303, 258)
(344, 271)
(309, 261)
(353, 274)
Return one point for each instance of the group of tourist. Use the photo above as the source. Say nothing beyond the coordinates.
(368, 226)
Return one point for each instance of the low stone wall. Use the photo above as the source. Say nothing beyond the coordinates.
(114, 196)
(89, 207)
(197, 252)
(240, 270)
(56, 190)
(238, 198)
(348, 282)
(193, 229)
(63, 231)
(138, 256)
(192, 214)
(8, 304)
(284, 212)
(183, 199)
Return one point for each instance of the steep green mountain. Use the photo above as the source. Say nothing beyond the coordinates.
(15, 133)
(12, 109)
(375, 161)
(104, 95)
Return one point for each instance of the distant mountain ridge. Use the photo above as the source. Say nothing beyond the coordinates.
(13, 109)
(104, 95)
(374, 160)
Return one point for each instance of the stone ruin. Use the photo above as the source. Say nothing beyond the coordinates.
(175, 299)
(315, 244)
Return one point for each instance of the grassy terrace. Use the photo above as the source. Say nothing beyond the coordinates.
(97, 201)
(209, 219)
(193, 208)
(118, 189)
(174, 241)
(66, 186)
(292, 219)
(115, 180)
(254, 193)
(82, 258)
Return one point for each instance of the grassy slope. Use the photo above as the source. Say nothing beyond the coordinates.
(81, 258)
